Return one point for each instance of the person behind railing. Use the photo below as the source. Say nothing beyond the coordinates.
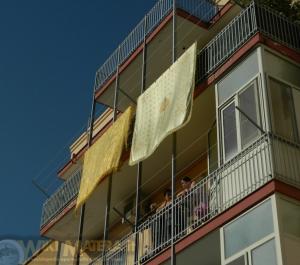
(184, 206)
(193, 205)
(187, 184)
(161, 224)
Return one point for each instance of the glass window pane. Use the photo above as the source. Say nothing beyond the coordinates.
(229, 130)
(282, 109)
(238, 261)
(296, 97)
(248, 229)
(248, 104)
(265, 254)
(237, 78)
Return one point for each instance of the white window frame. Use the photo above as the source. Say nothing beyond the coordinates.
(270, 107)
(235, 99)
(247, 251)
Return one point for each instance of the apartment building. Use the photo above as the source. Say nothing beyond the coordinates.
(239, 146)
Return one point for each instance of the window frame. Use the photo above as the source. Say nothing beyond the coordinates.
(248, 251)
(270, 106)
(235, 99)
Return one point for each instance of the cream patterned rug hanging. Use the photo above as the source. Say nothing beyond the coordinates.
(164, 107)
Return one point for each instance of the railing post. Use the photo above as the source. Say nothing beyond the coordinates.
(174, 150)
(140, 164)
(109, 188)
(82, 210)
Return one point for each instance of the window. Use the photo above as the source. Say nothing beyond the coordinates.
(284, 110)
(229, 131)
(265, 254)
(239, 126)
(259, 224)
(250, 239)
(247, 103)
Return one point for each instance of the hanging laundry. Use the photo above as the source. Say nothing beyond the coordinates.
(164, 107)
(103, 157)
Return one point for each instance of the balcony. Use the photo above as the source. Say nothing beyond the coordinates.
(252, 20)
(269, 157)
(61, 198)
(203, 10)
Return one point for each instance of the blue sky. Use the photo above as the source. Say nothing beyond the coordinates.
(49, 52)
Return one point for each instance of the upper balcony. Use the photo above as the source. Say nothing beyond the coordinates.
(202, 10)
(219, 52)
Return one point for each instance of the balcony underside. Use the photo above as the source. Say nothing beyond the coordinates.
(192, 146)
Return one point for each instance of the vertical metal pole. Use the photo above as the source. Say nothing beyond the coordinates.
(140, 164)
(174, 150)
(58, 253)
(82, 210)
(109, 190)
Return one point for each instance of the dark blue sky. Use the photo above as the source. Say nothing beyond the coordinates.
(49, 52)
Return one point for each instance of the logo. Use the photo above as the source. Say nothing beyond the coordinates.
(11, 253)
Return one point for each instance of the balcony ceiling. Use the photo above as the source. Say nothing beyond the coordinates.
(192, 143)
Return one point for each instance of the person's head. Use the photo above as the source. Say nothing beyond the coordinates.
(186, 182)
(168, 194)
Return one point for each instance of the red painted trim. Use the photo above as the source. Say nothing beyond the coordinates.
(242, 206)
(295, 56)
(221, 13)
(287, 190)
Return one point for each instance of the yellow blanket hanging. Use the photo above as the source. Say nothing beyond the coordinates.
(164, 107)
(103, 157)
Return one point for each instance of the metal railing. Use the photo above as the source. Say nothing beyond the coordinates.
(215, 193)
(278, 27)
(255, 18)
(205, 10)
(66, 193)
(267, 158)
(286, 160)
